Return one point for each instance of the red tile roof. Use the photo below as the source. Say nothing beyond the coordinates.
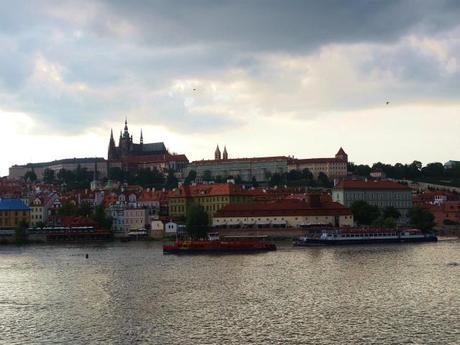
(253, 159)
(216, 189)
(370, 184)
(160, 158)
(282, 208)
(317, 160)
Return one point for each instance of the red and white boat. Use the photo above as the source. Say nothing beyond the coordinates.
(229, 244)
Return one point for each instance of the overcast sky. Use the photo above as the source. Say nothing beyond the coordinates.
(264, 78)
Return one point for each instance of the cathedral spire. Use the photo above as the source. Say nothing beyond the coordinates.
(142, 137)
(225, 153)
(217, 153)
(125, 132)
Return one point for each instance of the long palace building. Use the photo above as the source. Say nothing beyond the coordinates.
(260, 168)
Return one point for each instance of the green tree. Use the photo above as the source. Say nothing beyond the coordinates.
(85, 209)
(391, 212)
(360, 170)
(101, 218)
(48, 176)
(238, 180)
(433, 170)
(30, 176)
(219, 179)
(422, 219)
(254, 182)
(384, 222)
(150, 178)
(207, 176)
(191, 177)
(307, 174)
(171, 180)
(276, 179)
(20, 233)
(68, 209)
(324, 181)
(294, 175)
(116, 174)
(40, 225)
(197, 223)
(363, 213)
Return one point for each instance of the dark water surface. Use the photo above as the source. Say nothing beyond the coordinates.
(131, 294)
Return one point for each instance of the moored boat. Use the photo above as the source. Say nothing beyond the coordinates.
(229, 244)
(338, 236)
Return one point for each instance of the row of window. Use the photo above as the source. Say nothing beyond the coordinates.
(11, 221)
(16, 213)
(282, 218)
(378, 196)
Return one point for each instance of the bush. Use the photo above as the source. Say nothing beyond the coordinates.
(450, 222)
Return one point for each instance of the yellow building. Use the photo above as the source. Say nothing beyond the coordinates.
(13, 213)
(212, 197)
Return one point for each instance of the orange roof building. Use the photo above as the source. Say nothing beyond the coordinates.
(283, 213)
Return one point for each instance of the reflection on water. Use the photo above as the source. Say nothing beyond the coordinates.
(131, 293)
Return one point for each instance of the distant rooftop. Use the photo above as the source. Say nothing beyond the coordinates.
(371, 184)
(62, 161)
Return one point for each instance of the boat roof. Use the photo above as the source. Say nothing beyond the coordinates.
(245, 236)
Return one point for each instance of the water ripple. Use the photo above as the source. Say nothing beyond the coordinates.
(132, 294)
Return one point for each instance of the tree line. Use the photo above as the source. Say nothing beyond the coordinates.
(81, 178)
(293, 178)
(371, 215)
(414, 171)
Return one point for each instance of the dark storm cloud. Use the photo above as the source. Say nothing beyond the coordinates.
(110, 58)
(284, 25)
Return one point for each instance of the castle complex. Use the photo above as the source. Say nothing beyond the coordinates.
(127, 148)
(129, 155)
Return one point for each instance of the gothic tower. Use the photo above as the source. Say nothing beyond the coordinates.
(112, 148)
(217, 153)
(225, 154)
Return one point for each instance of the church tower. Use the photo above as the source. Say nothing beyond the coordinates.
(217, 154)
(125, 140)
(225, 154)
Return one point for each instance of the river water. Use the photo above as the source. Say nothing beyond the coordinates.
(129, 293)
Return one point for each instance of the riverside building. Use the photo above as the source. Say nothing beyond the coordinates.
(381, 193)
(13, 213)
(287, 213)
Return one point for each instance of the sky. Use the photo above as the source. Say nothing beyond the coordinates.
(264, 78)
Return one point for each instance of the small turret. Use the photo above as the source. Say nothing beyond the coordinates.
(342, 155)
